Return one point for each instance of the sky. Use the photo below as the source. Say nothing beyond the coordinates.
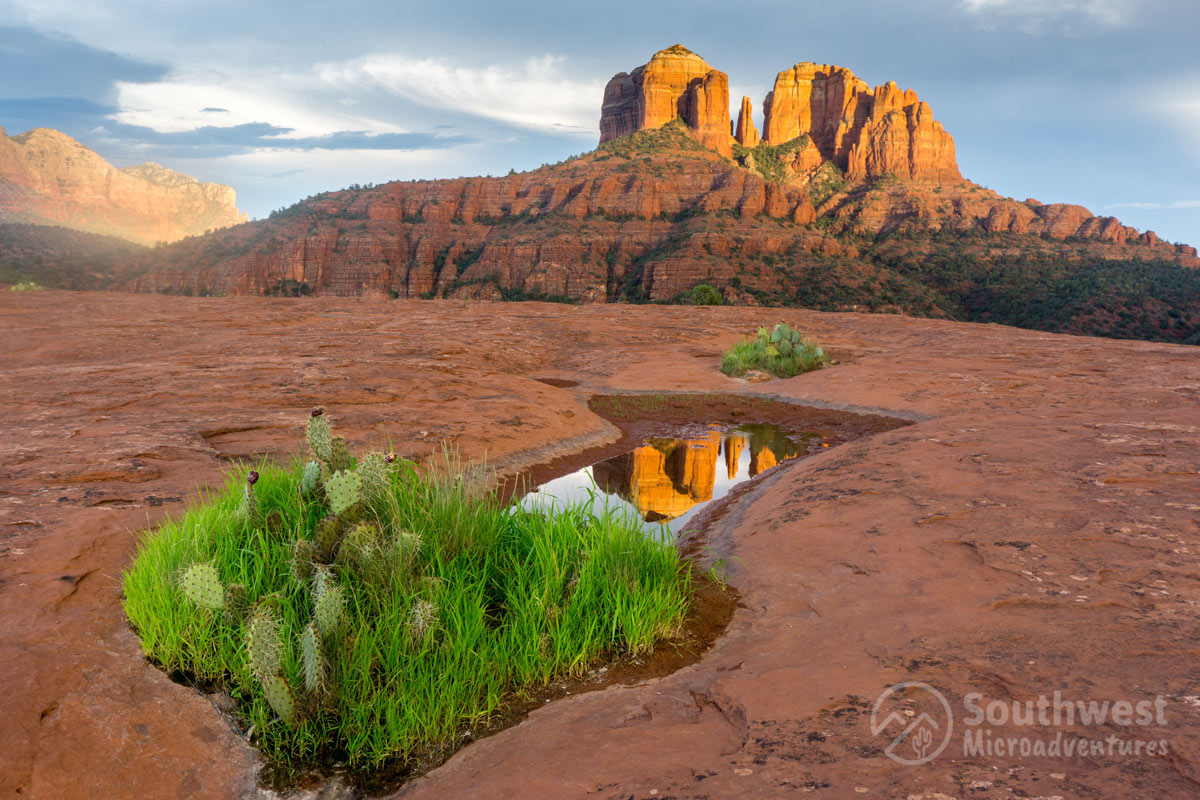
(1095, 102)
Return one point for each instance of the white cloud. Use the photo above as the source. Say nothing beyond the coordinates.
(360, 95)
(536, 95)
(176, 105)
(1034, 13)
(1172, 206)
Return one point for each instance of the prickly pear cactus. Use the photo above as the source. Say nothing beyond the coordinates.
(310, 479)
(202, 585)
(344, 490)
(374, 471)
(248, 510)
(311, 660)
(340, 457)
(328, 605)
(262, 641)
(280, 696)
(327, 538)
(319, 437)
(302, 559)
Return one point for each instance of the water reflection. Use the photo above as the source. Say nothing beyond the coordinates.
(667, 481)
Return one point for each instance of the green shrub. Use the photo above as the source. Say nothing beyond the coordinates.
(373, 634)
(783, 352)
(27, 286)
(705, 294)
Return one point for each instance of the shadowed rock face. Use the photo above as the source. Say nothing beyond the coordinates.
(47, 177)
(675, 84)
(866, 132)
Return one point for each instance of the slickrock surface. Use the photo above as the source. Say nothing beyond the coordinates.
(674, 83)
(47, 177)
(1036, 530)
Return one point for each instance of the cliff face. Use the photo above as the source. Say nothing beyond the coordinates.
(840, 207)
(46, 177)
(867, 133)
(674, 84)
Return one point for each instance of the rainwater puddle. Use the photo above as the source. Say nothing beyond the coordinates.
(667, 480)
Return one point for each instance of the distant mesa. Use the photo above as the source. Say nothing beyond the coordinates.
(48, 178)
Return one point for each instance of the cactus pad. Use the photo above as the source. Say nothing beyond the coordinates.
(262, 642)
(312, 661)
(344, 490)
(310, 478)
(202, 585)
(328, 607)
(327, 538)
(280, 696)
(248, 511)
(340, 457)
(319, 437)
(302, 559)
(373, 470)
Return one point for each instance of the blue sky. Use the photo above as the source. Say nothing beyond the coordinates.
(1094, 102)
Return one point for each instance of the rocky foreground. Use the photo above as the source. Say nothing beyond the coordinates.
(1035, 530)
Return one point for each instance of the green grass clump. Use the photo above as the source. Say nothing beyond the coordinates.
(27, 286)
(783, 352)
(372, 637)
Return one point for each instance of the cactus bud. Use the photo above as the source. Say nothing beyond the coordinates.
(251, 477)
(317, 411)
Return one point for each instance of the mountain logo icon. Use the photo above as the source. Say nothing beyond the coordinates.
(918, 737)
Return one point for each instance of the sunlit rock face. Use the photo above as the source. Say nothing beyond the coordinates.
(674, 84)
(866, 132)
(48, 178)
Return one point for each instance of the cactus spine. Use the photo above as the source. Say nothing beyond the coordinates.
(312, 660)
(202, 585)
(328, 605)
(280, 696)
(262, 642)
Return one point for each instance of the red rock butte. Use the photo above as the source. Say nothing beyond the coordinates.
(48, 178)
(865, 132)
(674, 84)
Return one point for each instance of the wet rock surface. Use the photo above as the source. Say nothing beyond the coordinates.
(1034, 530)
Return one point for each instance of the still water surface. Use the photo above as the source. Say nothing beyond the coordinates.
(667, 481)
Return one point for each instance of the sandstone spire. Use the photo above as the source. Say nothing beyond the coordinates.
(746, 134)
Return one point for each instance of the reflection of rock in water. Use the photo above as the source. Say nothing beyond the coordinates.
(665, 478)
(768, 446)
(733, 445)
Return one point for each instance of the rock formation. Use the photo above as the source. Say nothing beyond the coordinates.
(746, 134)
(46, 177)
(675, 84)
(866, 133)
